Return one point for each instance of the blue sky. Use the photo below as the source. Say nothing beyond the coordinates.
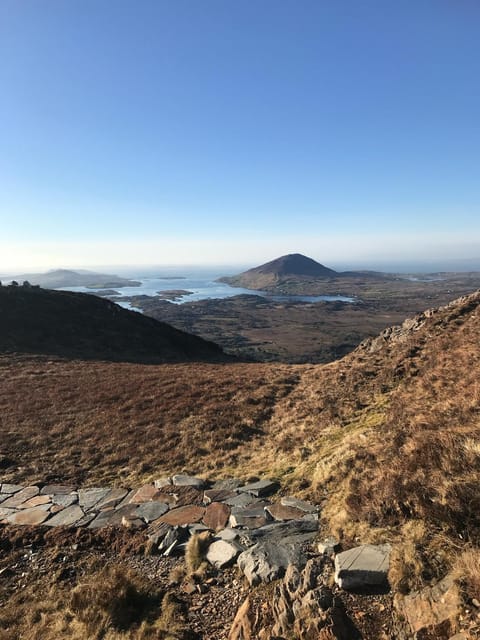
(211, 131)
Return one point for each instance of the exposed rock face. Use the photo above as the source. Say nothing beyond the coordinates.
(431, 611)
(362, 566)
(304, 608)
(267, 561)
(243, 624)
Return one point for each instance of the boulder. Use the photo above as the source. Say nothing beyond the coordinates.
(362, 566)
(222, 553)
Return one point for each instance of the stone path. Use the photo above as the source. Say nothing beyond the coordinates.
(243, 521)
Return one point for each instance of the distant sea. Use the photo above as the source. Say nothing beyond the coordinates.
(201, 282)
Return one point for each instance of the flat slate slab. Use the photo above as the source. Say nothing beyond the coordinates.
(52, 489)
(240, 500)
(67, 517)
(144, 494)
(88, 498)
(284, 512)
(150, 511)
(216, 516)
(113, 517)
(10, 488)
(290, 501)
(362, 566)
(181, 480)
(32, 516)
(217, 495)
(183, 515)
(261, 488)
(65, 500)
(21, 496)
(113, 497)
(35, 502)
(268, 560)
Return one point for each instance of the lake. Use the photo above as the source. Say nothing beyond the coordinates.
(201, 282)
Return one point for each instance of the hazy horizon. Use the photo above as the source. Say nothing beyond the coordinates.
(179, 132)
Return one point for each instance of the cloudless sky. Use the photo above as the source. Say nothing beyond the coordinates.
(214, 131)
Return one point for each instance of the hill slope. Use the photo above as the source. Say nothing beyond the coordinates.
(59, 278)
(292, 266)
(39, 321)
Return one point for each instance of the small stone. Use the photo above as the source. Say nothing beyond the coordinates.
(328, 546)
(222, 553)
(181, 480)
(183, 515)
(67, 517)
(362, 566)
(216, 515)
(261, 488)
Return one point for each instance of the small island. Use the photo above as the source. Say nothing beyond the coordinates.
(173, 294)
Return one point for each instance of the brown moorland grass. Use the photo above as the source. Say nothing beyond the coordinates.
(114, 423)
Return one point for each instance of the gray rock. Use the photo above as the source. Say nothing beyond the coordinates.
(32, 516)
(197, 527)
(88, 498)
(291, 530)
(228, 534)
(65, 500)
(157, 532)
(67, 517)
(10, 488)
(222, 553)
(290, 501)
(112, 499)
(53, 489)
(5, 512)
(362, 566)
(268, 560)
(181, 480)
(150, 511)
(229, 484)
(113, 517)
(173, 538)
(250, 522)
(21, 496)
(260, 488)
(240, 500)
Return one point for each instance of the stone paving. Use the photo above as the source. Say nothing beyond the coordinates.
(249, 524)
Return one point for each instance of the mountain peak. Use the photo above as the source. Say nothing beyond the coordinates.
(294, 264)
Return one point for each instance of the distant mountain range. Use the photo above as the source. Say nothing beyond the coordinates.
(79, 325)
(59, 278)
(291, 269)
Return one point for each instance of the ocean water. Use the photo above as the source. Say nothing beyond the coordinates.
(202, 283)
